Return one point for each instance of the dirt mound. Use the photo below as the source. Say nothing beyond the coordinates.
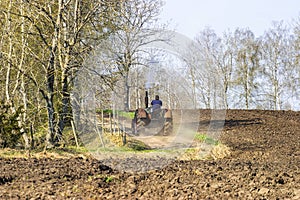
(263, 164)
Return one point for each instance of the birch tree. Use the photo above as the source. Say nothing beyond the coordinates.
(12, 48)
(294, 58)
(247, 63)
(64, 33)
(276, 58)
(213, 70)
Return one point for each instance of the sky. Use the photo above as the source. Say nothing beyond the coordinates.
(189, 17)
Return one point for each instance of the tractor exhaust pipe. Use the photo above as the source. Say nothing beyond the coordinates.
(146, 99)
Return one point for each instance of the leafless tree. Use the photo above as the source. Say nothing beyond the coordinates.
(277, 63)
(247, 63)
(294, 64)
(208, 69)
(123, 50)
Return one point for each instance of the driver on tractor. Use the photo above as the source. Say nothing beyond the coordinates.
(156, 103)
(156, 107)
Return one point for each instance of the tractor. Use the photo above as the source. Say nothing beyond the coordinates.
(152, 121)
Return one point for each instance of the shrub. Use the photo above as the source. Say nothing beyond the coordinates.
(9, 128)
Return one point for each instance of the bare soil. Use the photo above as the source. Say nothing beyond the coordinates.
(264, 163)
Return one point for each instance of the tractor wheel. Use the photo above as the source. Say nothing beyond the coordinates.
(134, 127)
(140, 126)
(168, 127)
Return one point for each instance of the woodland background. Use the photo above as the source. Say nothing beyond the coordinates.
(44, 44)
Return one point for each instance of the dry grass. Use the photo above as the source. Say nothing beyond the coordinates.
(205, 151)
(59, 153)
(220, 151)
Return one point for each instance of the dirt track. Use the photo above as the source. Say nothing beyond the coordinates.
(264, 164)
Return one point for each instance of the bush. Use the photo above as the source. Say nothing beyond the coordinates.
(9, 128)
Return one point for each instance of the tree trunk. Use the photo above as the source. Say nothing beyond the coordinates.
(22, 88)
(64, 110)
(127, 92)
(9, 56)
(50, 137)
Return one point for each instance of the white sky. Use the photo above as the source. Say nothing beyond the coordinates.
(189, 17)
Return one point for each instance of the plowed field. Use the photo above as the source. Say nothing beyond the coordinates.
(264, 163)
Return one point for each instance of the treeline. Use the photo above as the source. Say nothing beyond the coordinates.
(247, 72)
(44, 44)
(235, 70)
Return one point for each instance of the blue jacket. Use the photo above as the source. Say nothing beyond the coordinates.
(156, 102)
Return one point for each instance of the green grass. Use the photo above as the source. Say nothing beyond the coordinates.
(109, 179)
(200, 137)
(204, 138)
(120, 113)
(129, 115)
